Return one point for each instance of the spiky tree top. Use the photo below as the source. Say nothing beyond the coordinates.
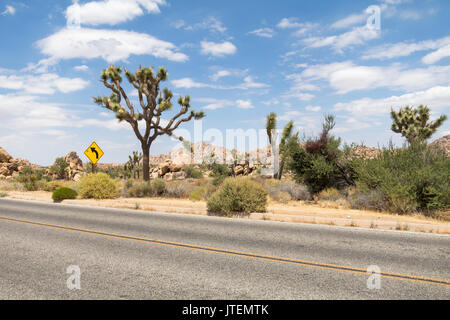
(271, 124)
(413, 123)
(153, 102)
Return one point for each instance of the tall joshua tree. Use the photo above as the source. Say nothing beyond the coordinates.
(271, 125)
(153, 102)
(413, 123)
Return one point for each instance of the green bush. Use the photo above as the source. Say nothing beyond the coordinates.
(63, 193)
(59, 168)
(98, 186)
(238, 196)
(411, 179)
(192, 172)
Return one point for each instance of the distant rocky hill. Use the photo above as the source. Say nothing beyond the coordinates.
(443, 143)
(10, 167)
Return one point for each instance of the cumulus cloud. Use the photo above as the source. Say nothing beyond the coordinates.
(214, 104)
(110, 12)
(244, 104)
(436, 97)
(248, 83)
(111, 45)
(346, 77)
(437, 55)
(47, 83)
(211, 24)
(218, 49)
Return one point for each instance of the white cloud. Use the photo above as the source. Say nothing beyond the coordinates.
(220, 74)
(81, 68)
(218, 49)
(345, 77)
(289, 23)
(111, 45)
(436, 97)
(110, 12)
(214, 104)
(350, 20)
(357, 36)
(9, 10)
(437, 55)
(244, 104)
(188, 83)
(410, 15)
(211, 24)
(403, 49)
(314, 108)
(263, 32)
(47, 83)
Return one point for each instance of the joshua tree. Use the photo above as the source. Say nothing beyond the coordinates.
(134, 162)
(413, 123)
(271, 125)
(153, 103)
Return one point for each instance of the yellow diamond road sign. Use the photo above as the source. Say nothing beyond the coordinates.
(94, 153)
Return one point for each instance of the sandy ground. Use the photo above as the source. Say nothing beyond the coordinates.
(295, 211)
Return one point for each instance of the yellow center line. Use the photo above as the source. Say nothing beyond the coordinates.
(250, 255)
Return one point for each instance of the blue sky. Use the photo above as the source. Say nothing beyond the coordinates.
(238, 60)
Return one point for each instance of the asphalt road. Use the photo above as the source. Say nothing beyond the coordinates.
(126, 254)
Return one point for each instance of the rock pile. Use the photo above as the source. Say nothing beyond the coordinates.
(244, 169)
(11, 167)
(443, 143)
(168, 170)
(365, 152)
(74, 171)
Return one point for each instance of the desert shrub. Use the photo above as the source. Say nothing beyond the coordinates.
(238, 196)
(296, 191)
(202, 193)
(367, 200)
(142, 189)
(219, 172)
(29, 178)
(411, 179)
(63, 193)
(330, 194)
(3, 194)
(53, 185)
(192, 172)
(281, 196)
(59, 168)
(98, 186)
(179, 189)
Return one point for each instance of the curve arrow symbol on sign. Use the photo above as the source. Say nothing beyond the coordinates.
(95, 151)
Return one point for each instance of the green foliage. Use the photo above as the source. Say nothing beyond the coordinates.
(192, 172)
(97, 186)
(320, 164)
(59, 168)
(238, 196)
(219, 172)
(271, 124)
(412, 123)
(63, 193)
(410, 179)
(29, 178)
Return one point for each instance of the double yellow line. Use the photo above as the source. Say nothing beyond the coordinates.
(305, 263)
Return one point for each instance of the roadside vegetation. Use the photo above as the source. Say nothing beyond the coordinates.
(320, 170)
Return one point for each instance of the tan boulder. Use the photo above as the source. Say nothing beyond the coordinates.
(4, 156)
(238, 170)
(181, 175)
(168, 176)
(4, 170)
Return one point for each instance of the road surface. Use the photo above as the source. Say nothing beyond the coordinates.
(127, 254)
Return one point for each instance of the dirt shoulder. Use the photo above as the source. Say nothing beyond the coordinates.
(295, 211)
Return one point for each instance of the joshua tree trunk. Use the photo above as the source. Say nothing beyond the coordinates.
(146, 162)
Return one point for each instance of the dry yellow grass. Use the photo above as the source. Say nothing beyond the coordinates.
(293, 211)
